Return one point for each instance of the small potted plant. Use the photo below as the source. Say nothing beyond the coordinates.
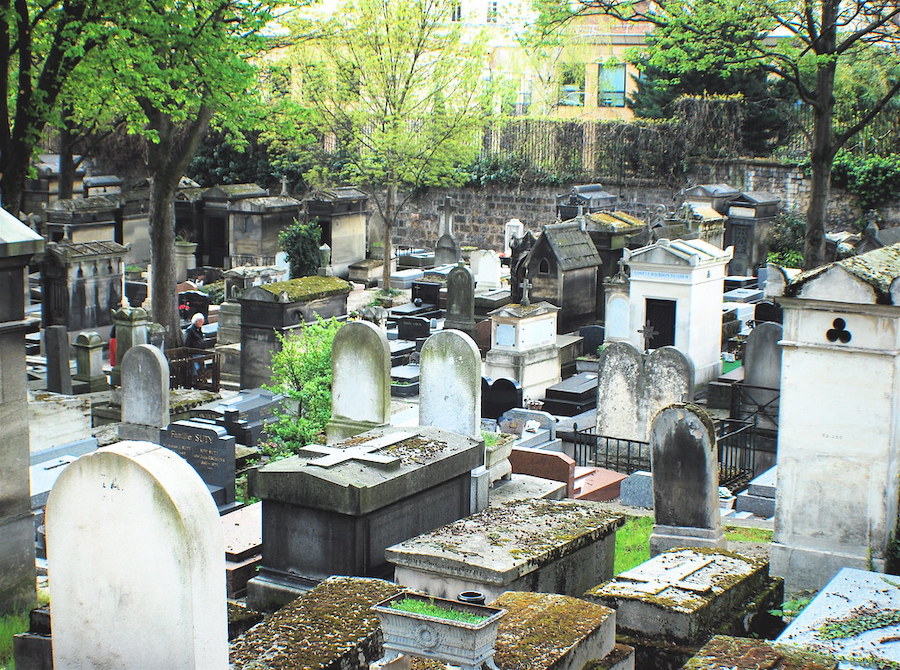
(456, 633)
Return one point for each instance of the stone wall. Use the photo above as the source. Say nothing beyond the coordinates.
(480, 213)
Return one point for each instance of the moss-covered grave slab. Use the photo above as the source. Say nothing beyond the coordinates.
(736, 653)
(555, 546)
(332, 627)
(306, 289)
(682, 595)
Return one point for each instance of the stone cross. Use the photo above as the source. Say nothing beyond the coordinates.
(654, 581)
(525, 286)
(446, 209)
(284, 188)
(649, 332)
(363, 452)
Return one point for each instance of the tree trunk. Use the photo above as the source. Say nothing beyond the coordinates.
(390, 208)
(66, 160)
(167, 161)
(12, 179)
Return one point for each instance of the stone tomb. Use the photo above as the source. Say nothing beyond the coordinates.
(334, 510)
(683, 596)
(529, 545)
(243, 547)
(856, 617)
(243, 415)
(210, 451)
(572, 396)
(135, 548)
(759, 498)
(724, 652)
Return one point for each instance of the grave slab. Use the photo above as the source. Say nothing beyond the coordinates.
(533, 545)
(856, 617)
(333, 510)
(727, 653)
(243, 547)
(525, 487)
(209, 450)
(681, 594)
(637, 490)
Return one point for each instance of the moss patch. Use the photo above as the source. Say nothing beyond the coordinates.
(540, 628)
(307, 289)
(330, 622)
(734, 653)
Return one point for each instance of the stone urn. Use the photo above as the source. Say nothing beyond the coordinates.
(460, 643)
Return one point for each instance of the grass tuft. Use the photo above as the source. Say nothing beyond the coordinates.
(633, 543)
(430, 608)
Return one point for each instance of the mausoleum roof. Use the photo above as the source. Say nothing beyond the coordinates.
(710, 191)
(687, 252)
(338, 193)
(571, 245)
(614, 221)
(17, 239)
(520, 311)
(757, 198)
(82, 204)
(234, 191)
(879, 268)
(306, 288)
(73, 250)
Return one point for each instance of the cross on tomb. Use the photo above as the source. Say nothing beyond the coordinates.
(654, 579)
(649, 332)
(446, 209)
(525, 286)
(361, 452)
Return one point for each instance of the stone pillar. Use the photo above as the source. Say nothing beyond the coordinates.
(132, 328)
(18, 244)
(56, 349)
(89, 375)
(184, 259)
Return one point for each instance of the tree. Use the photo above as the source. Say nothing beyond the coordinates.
(824, 35)
(300, 242)
(397, 86)
(41, 45)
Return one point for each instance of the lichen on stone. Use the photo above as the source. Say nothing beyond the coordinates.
(734, 653)
(306, 289)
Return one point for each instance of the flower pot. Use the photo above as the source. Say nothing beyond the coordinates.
(459, 643)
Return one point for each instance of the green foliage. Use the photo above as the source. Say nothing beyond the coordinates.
(791, 608)
(301, 371)
(874, 180)
(858, 623)
(633, 543)
(300, 241)
(215, 291)
(10, 624)
(512, 170)
(431, 608)
(747, 534)
(786, 240)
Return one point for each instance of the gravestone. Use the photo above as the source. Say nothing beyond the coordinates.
(512, 231)
(633, 387)
(447, 251)
(767, 311)
(229, 323)
(361, 380)
(685, 480)
(18, 243)
(762, 374)
(335, 509)
(413, 328)
(135, 544)
(593, 336)
(145, 393)
(210, 451)
(637, 490)
(56, 349)
(89, 376)
(482, 335)
(460, 300)
(486, 268)
(450, 384)
(498, 396)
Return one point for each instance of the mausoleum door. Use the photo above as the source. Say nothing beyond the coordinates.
(661, 318)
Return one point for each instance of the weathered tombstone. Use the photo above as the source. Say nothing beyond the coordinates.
(89, 376)
(132, 326)
(229, 323)
(145, 393)
(486, 268)
(361, 380)
(633, 387)
(210, 451)
(461, 300)
(762, 373)
(138, 570)
(593, 336)
(482, 335)
(449, 384)
(499, 396)
(413, 328)
(447, 251)
(18, 244)
(637, 490)
(685, 480)
(56, 349)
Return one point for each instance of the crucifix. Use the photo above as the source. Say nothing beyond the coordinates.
(446, 210)
(332, 456)
(648, 332)
(525, 301)
(284, 189)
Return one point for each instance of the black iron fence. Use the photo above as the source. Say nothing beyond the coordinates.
(193, 368)
(735, 442)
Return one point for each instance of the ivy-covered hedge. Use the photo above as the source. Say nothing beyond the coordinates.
(874, 180)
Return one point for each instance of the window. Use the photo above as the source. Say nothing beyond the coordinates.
(492, 11)
(611, 85)
(456, 12)
(544, 267)
(571, 85)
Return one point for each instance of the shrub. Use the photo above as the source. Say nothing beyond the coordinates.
(874, 180)
(300, 241)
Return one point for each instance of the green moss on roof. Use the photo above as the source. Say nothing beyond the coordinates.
(878, 268)
(308, 288)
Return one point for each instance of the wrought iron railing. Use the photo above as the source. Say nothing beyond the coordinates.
(193, 368)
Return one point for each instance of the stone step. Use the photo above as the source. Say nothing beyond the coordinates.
(597, 484)
(534, 440)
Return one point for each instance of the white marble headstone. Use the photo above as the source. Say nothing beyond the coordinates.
(450, 383)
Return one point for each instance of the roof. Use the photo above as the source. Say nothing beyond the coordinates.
(690, 252)
(103, 180)
(338, 193)
(229, 191)
(613, 221)
(757, 198)
(518, 311)
(48, 164)
(17, 239)
(710, 191)
(879, 268)
(82, 204)
(571, 245)
(271, 202)
(74, 250)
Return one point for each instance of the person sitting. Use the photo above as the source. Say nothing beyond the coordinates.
(193, 334)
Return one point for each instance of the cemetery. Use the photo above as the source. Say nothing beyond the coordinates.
(385, 418)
